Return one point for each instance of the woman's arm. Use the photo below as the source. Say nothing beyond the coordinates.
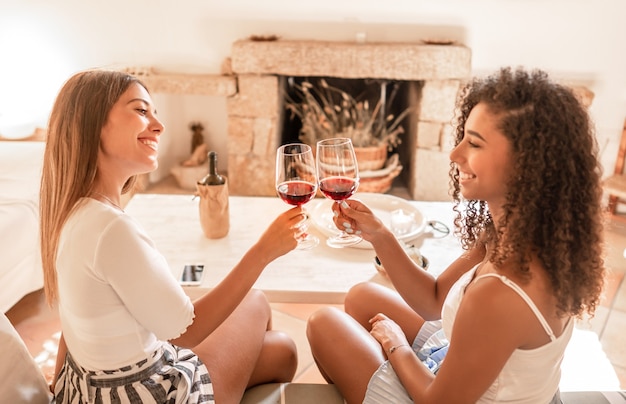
(485, 334)
(420, 289)
(216, 305)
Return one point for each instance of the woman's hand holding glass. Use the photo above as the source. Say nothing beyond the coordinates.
(296, 183)
(338, 176)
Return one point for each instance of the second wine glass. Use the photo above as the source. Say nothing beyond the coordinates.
(338, 176)
(296, 182)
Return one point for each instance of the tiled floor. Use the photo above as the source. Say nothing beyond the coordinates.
(39, 326)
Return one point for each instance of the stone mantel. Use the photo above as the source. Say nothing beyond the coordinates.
(394, 61)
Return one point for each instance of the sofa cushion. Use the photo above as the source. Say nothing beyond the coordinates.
(296, 393)
(22, 380)
(593, 397)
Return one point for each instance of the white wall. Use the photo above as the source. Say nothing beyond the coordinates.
(44, 42)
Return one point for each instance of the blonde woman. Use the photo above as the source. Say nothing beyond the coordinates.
(130, 334)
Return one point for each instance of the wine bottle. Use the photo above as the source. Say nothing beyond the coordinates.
(213, 192)
(212, 178)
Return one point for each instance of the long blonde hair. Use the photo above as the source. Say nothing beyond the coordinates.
(69, 167)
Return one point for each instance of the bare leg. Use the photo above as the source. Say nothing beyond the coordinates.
(242, 352)
(346, 354)
(365, 300)
(277, 361)
(344, 351)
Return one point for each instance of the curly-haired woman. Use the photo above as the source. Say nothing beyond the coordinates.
(494, 325)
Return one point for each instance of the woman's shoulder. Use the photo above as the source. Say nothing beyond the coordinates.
(93, 216)
(491, 306)
(528, 304)
(506, 284)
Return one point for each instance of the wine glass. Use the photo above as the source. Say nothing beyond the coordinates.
(338, 176)
(296, 182)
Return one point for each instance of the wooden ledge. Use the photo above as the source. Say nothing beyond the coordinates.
(186, 83)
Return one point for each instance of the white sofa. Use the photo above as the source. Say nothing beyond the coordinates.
(20, 174)
(22, 380)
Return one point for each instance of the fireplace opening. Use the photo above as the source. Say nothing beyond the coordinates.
(382, 101)
(316, 107)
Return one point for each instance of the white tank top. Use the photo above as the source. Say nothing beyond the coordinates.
(530, 375)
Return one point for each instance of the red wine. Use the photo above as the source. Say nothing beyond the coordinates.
(296, 192)
(338, 188)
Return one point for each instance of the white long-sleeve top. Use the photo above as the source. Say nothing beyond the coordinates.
(118, 300)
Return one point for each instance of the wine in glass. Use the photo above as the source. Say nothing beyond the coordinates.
(296, 182)
(338, 176)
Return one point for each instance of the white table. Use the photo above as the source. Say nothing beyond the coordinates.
(319, 275)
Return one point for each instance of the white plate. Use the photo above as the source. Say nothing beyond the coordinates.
(381, 204)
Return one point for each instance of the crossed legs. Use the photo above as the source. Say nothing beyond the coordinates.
(243, 351)
(346, 354)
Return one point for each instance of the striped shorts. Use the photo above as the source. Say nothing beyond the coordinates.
(171, 375)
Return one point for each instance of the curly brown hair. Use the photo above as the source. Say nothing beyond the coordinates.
(553, 204)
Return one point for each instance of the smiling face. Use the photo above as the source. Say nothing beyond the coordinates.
(129, 139)
(483, 158)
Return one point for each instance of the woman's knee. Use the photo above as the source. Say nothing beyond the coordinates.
(359, 296)
(256, 300)
(258, 297)
(320, 322)
(277, 361)
(321, 316)
(283, 348)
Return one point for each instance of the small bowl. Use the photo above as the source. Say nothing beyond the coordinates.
(413, 253)
(187, 177)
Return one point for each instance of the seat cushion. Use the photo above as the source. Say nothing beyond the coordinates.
(593, 397)
(293, 393)
(308, 393)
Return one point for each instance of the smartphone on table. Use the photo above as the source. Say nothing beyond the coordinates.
(192, 275)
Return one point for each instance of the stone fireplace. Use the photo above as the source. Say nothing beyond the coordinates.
(253, 83)
(255, 112)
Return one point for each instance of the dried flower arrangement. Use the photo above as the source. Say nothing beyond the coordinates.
(327, 111)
